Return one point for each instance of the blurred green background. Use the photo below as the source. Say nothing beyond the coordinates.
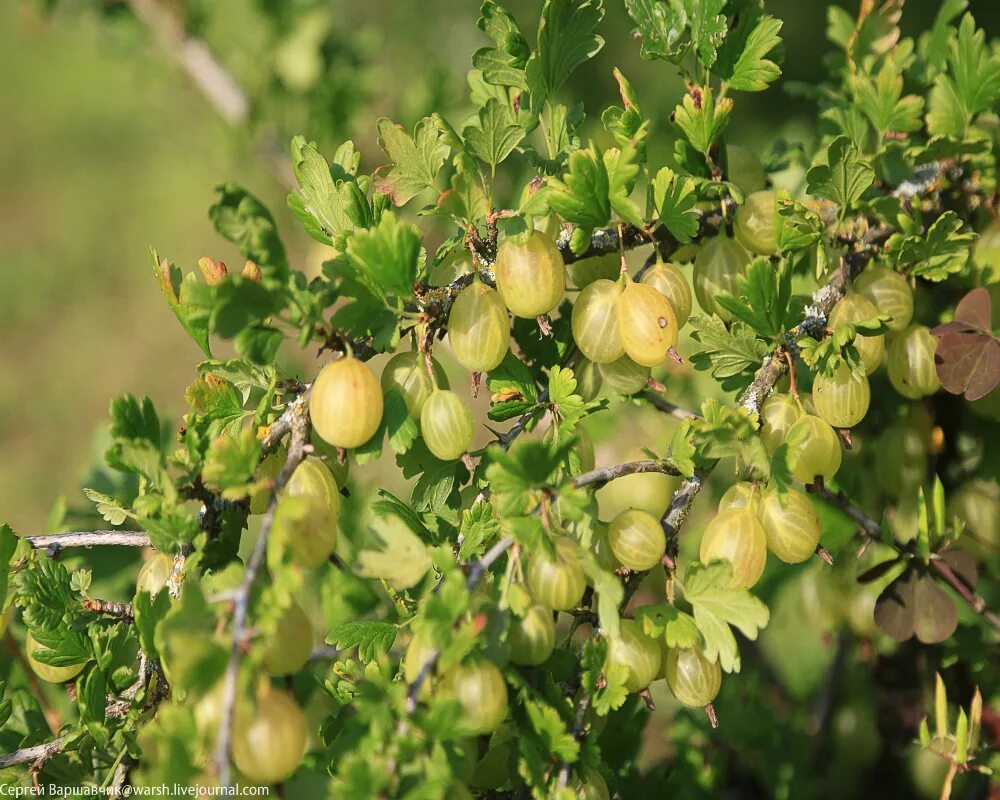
(107, 149)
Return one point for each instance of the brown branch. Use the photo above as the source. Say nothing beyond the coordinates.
(36, 755)
(53, 543)
(974, 601)
(298, 445)
(842, 502)
(600, 477)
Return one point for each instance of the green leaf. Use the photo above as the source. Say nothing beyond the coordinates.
(431, 491)
(416, 161)
(80, 580)
(92, 698)
(566, 39)
(132, 419)
(933, 45)
(972, 86)
(231, 461)
(479, 529)
(148, 613)
(609, 591)
(661, 25)
(844, 178)
(682, 449)
(192, 657)
(752, 72)
(562, 386)
(259, 343)
(582, 196)
(238, 302)
(110, 509)
(623, 168)
(795, 226)
(728, 353)
(765, 294)
(371, 637)
(613, 694)
(664, 621)
(338, 206)
(8, 544)
(675, 198)
(708, 27)
(882, 101)
(725, 431)
(496, 136)
(962, 737)
(393, 552)
(942, 252)
(401, 428)
(551, 730)
(623, 123)
(940, 707)
(504, 64)
(946, 115)
(717, 607)
(176, 291)
(511, 384)
(701, 117)
(388, 254)
(245, 221)
(216, 400)
(52, 613)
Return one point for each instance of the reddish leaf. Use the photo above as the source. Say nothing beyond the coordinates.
(935, 616)
(975, 309)
(972, 315)
(895, 608)
(968, 363)
(968, 355)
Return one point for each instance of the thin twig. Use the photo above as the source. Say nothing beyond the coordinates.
(840, 501)
(660, 403)
(299, 426)
(53, 543)
(975, 602)
(600, 477)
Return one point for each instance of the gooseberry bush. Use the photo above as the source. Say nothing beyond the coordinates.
(485, 633)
